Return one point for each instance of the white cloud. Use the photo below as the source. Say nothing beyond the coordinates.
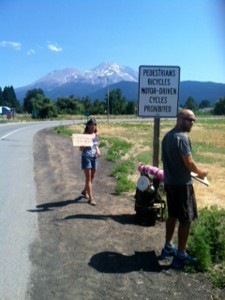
(14, 45)
(30, 52)
(54, 47)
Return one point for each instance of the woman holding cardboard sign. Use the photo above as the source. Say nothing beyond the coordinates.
(89, 160)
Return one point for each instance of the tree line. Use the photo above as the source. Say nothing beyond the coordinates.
(39, 106)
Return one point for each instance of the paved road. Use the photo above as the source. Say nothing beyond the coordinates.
(18, 228)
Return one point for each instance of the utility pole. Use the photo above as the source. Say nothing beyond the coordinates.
(107, 80)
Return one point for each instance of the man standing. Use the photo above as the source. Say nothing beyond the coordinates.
(178, 164)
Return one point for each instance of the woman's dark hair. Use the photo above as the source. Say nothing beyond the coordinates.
(90, 122)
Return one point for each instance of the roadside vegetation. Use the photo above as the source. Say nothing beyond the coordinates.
(207, 244)
(39, 106)
(129, 144)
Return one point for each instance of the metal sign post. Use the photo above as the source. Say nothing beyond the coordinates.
(156, 142)
(158, 97)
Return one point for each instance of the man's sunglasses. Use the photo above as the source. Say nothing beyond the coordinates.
(188, 119)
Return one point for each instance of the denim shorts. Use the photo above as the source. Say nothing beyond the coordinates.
(181, 203)
(88, 162)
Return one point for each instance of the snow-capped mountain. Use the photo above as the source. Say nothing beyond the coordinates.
(71, 81)
(113, 72)
(59, 77)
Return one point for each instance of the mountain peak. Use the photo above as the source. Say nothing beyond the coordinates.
(59, 77)
(112, 71)
(115, 73)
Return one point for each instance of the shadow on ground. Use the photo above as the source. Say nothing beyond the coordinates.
(122, 218)
(51, 205)
(112, 262)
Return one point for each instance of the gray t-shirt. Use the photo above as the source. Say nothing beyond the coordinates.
(175, 144)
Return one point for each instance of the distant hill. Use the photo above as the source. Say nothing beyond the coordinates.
(129, 90)
(201, 91)
(93, 83)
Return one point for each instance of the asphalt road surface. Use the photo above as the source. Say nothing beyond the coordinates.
(17, 193)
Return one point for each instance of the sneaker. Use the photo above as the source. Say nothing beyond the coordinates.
(187, 260)
(168, 251)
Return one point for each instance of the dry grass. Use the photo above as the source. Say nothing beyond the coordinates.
(209, 135)
(214, 138)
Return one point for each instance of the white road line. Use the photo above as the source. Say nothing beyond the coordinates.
(12, 132)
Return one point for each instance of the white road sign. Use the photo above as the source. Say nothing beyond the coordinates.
(158, 91)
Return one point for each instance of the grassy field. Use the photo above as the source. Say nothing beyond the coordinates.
(130, 143)
(136, 147)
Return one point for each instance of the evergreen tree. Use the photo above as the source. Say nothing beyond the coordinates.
(6, 96)
(97, 108)
(87, 104)
(219, 107)
(191, 104)
(130, 108)
(1, 97)
(117, 103)
(9, 98)
(204, 104)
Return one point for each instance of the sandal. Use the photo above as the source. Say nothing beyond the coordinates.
(91, 201)
(84, 193)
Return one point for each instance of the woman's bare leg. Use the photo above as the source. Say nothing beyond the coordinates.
(89, 176)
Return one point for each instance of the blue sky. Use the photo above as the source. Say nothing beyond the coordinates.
(39, 36)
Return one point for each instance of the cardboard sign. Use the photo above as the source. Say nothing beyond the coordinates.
(85, 140)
